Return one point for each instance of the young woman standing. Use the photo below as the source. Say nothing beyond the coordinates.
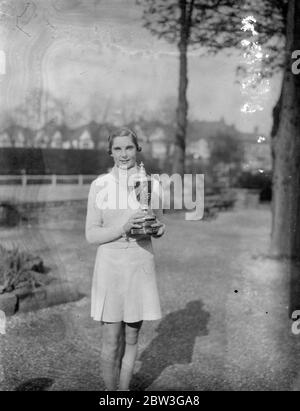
(124, 290)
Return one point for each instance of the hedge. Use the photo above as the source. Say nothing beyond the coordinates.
(59, 161)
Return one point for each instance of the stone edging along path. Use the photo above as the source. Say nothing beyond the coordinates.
(24, 300)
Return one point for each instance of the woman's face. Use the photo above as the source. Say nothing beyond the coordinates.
(124, 152)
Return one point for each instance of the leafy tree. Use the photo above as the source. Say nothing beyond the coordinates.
(212, 25)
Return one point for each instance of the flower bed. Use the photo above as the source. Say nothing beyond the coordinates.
(25, 285)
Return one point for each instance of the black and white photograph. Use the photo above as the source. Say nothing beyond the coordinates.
(149, 198)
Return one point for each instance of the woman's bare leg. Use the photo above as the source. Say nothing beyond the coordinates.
(112, 337)
(130, 354)
(121, 346)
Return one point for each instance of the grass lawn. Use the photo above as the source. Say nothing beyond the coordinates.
(225, 323)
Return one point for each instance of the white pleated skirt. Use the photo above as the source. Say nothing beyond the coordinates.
(124, 286)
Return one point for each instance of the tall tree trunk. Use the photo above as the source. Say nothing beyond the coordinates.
(286, 145)
(276, 122)
(182, 108)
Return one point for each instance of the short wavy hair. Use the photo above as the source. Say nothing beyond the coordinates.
(123, 132)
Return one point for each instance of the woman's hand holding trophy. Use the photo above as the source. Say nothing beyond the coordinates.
(158, 228)
(138, 224)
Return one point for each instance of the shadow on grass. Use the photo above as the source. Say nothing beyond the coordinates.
(173, 344)
(35, 384)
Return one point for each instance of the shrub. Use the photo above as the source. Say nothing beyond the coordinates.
(262, 182)
(20, 269)
(254, 180)
(9, 215)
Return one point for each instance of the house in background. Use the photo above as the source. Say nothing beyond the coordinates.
(256, 147)
(56, 140)
(5, 140)
(75, 144)
(20, 140)
(155, 137)
(207, 130)
(17, 136)
(60, 136)
(49, 136)
(85, 140)
(257, 155)
(66, 145)
(198, 149)
(80, 138)
(41, 139)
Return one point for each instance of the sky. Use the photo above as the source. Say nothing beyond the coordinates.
(96, 57)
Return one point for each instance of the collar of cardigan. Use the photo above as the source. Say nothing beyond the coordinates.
(121, 176)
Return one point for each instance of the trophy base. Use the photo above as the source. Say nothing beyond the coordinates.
(143, 231)
(146, 228)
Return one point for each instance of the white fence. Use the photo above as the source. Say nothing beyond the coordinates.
(39, 188)
(52, 179)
